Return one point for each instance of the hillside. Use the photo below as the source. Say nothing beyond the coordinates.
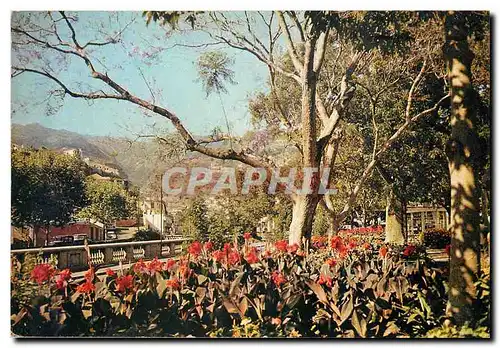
(134, 159)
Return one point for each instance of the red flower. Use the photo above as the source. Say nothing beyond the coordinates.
(110, 272)
(169, 264)
(124, 283)
(247, 235)
(195, 249)
(173, 283)
(337, 243)
(447, 249)
(219, 255)
(233, 258)
(90, 274)
(331, 262)
(281, 245)
(61, 283)
(62, 279)
(267, 254)
(292, 248)
(383, 251)
(352, 244)
(367, 246)
(86, 287)
(278, 278)
(409, 250)
(276, 321)
(42, 273)
(342, 250)
(323, 279)
(155, 266)
(227, 248)
(184, 270)
(65, 274)
(208, 246)
(140, 267)
(252, 256)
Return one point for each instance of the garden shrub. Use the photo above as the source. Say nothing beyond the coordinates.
(437, 238)
(337, 289)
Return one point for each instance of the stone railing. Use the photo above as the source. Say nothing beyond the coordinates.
(75, 257)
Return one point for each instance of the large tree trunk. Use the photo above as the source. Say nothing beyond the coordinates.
(304, 207)
(461, 150)
(393, 220)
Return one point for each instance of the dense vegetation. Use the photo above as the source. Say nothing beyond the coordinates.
(343, 287)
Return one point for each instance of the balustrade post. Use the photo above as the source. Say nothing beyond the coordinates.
(130, 253)
(62, 259)
(108, 255)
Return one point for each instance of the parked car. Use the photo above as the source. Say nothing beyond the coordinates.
(62, 241)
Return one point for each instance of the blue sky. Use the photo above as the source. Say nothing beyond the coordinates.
(173, 71)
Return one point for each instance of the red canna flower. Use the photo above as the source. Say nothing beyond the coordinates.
(343, 251)
(300, 253)
(140, 267)
(323, 279)
(337, 243)
(276, 321)
(409, 250)
(86, 287)
(208, 246)
(233, 258)
(65, 274)
(278, 278)
(184, 270)
(173, 283)
(292, 249)
(219, 255)
(331, 262)
(281, 245)
(61, 283)
(124, 283)
(383, 251)
(247, 235)
(195, 248)
(110, 272)
(62, 279)
(167, 266)
(252, 256)
(227, 248)
(42, 272)
(90, 274)
(155, 266)
(447, 249)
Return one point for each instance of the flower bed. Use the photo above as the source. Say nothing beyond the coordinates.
(338, 290)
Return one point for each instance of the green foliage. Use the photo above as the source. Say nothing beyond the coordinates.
(194, 221)
(47, 188)
(460, 332)
(146, 234)
(107, 202)
(214, 71)
(284, 294)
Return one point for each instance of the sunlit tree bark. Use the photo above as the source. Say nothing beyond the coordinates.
(461, 150)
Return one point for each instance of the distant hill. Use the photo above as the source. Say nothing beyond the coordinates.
(37, 136)
(139, 161)
(133, 159)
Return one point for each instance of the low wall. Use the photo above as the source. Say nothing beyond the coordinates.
(76, 257)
